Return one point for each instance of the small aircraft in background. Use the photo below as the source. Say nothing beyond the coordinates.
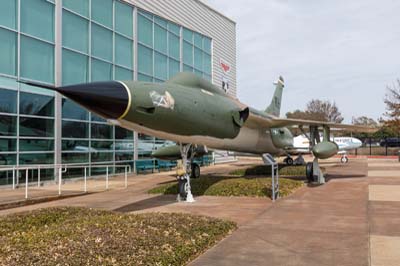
(302, 146)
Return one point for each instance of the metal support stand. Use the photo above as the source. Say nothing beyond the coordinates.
(269, 160)
(318, 173)
(185, 148)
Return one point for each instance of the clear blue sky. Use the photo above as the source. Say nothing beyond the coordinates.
(342, 51)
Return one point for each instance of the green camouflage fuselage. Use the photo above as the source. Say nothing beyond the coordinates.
(200, 115)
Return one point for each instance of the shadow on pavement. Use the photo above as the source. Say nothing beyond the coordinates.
(158, 201)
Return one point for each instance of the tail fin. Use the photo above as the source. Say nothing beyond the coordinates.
(275, 107)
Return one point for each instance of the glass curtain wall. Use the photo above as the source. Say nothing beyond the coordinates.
(100, 39)
(27, 39)
(98, 45)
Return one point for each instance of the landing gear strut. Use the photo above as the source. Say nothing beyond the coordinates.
(344, 159)
(183, 175)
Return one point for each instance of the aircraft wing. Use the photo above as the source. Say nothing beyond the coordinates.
(258, 119)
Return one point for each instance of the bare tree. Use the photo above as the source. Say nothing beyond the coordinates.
(365, 121)
(320, 111)
(392, 101)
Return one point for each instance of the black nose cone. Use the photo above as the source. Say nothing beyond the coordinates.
(109, 99)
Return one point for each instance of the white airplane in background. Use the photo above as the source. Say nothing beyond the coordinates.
(345, 144)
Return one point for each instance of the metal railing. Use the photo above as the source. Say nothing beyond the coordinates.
(60, 169)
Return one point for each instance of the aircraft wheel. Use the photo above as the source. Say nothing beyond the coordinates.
(344, 159)
(310, 172)
(195, 171)
(289, 161)
(182, 183)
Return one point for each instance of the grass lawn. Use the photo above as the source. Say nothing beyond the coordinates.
(254, 181)
(79, 236)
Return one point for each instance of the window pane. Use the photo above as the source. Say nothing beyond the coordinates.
(98, 157)
(123, 51)
(75, 145)
(8, 13)
(207, 45)
(198, 40)
(172, 27)
(8, 125)
(103, 145)
(187, 68)
(81, 6)
(102, 12)
(161, 66)
(36, 145)
(102, 131)
(207, 63)
(144, 78)
(123, 19)
(97, 118)
(36, 127)
(75, 158)
(124, 146)
(198, 59)
(75, 130)
(8, 54)
(188, 35)
(187, 53)
(72, 110)
(123, 74)
(34, 52)
(8, 101)
(35, 104)
(174, 46)
(75, 32)
(39, 158)
(145, 60)
(101, 71)
(122, 133)
(160, 39)
(8, 159)
(145, 30)
(37, 19)
(174, 68)
(161, 21)
(8, 145)
(74, 68)
(198, 73)
(207, 77)
(102, 40)
(124, 156)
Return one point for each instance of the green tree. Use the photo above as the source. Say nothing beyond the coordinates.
(392, 101)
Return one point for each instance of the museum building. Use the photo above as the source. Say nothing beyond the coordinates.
(63, 42)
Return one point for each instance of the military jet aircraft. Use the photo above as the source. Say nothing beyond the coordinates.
(192, 111)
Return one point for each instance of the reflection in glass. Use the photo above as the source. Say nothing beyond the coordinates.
(71, 110)
(8, 159)
(36, 145)
(36, 127)
(122, 133)
(75, 129)
(101, 157)
(75, 157)
(35, 104)
(8, 145)
(75, 145)
(97, 118)
(123, 156)
(124, 145)
(102, 145)
(8, 125)
(36, 158)
(102, 131)
(8, 101)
